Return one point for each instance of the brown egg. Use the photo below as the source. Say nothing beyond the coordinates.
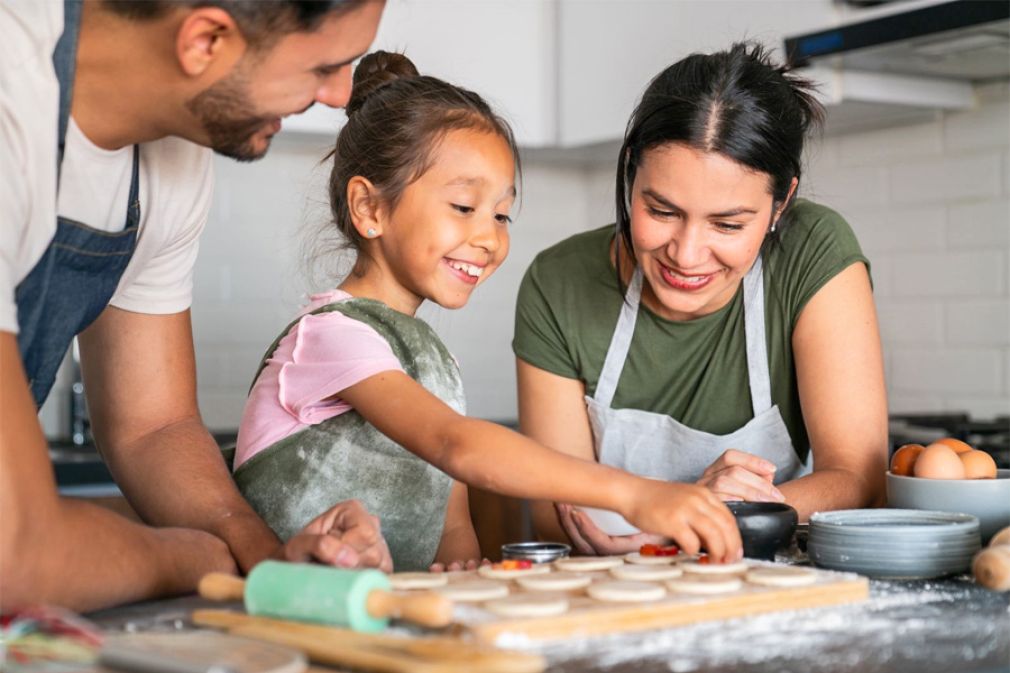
(978, 465)
(956, 444)
(938, 461)
(904, 459)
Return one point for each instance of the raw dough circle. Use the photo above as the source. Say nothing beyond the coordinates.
(695, 568)
(626, 592)
(589, 563)
(469, 591)
(782, 577)
(502, 574)
(418, 580)
(705, 584)
(638, 559)
(645, 573)
(529, 605)
(559, 581)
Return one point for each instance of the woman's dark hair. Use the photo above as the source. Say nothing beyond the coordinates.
(395, 121)
(733, 102)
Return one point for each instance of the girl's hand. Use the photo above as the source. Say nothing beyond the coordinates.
(453, 566)
(736, 475)
(692, 516)
(588, 539)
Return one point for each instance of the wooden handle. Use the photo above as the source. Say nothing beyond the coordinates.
(221, 587)
(426, 608)
(992, 567)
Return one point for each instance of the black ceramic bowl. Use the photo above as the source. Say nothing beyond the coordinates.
(764, 527)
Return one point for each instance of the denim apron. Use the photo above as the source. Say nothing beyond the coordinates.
(656, 445)
(299, 477)
(77, 275)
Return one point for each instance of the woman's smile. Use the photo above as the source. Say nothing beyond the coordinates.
(683, 281)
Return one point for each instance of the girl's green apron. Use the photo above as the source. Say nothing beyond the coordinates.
(301, 476)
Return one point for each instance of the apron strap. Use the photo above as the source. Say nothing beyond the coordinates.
(757, 344)
(620, 342)
(65, 65)
(758, 377)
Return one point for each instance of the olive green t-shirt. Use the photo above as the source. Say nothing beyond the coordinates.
(695, 371)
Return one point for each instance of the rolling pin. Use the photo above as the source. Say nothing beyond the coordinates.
(359, 599)
(992, 565)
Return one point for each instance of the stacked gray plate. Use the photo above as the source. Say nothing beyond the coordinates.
(893, 543)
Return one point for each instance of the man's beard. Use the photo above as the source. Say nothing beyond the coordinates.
(223, 111)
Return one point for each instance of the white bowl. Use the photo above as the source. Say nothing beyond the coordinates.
(987, 499)
(609, 522)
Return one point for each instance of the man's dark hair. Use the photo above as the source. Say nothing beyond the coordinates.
(261, 21)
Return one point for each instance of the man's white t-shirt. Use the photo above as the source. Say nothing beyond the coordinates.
(176, 179)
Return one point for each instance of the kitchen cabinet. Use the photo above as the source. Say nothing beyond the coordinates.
(502, 49)
(567, 73)
(608, 51)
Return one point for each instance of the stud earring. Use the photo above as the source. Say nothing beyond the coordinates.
(371, 233)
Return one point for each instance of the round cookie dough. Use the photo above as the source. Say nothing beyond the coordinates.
(589, 563)
(638, 559)
(781, 577)
(646, 573)
(418, 580)
(502, 574)
(625, 592)
(559, 581)
(471, 591)
(529, 605)
(705, 584)
(695, 568)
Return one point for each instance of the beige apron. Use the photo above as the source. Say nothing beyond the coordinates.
(656, 445)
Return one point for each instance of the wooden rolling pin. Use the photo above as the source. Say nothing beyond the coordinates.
(992, 565)
(360, 599)
(374, 652)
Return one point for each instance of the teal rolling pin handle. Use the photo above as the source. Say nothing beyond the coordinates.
(359, 599)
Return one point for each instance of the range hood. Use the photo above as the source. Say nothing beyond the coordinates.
(907, 62)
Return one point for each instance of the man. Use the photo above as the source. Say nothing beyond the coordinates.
(99, 224)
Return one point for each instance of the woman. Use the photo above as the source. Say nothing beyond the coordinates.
(725, 334)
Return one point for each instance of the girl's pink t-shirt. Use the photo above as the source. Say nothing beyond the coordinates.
(320, 356)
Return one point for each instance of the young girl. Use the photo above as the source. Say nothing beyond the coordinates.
(358, 398)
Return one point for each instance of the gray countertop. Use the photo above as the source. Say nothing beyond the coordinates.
(936, 626)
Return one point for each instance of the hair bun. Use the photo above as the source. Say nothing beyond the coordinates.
(375, 71)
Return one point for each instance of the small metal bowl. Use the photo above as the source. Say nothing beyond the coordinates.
(537, 552)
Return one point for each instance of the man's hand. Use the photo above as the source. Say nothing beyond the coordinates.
(345, 535)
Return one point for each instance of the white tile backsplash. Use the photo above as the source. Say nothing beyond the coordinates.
(946, 179)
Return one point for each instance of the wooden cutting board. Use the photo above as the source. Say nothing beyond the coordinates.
(590, 617)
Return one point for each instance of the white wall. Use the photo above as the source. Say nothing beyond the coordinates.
(929, 203)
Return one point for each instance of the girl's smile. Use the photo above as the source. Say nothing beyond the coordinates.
(468, 272)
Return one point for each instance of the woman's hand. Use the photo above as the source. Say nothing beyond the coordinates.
(588, 539)
(736, 475)
(692, 516)
(452, 566)
(345, 535)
